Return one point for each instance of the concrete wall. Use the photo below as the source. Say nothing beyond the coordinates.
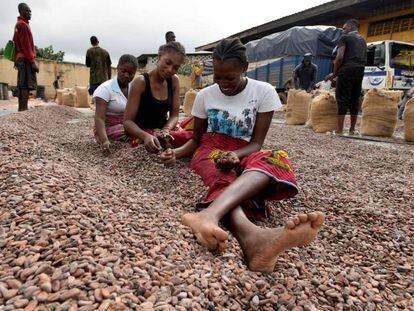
(71, 74)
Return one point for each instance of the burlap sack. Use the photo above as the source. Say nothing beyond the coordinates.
(324, 113)
(308, 122)
(82, 97)
(69, 98)
(408, 118)
(189, 101)
(297, 108)
(59, 97)
(379, 112)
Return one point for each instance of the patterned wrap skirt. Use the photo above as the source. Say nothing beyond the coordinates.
(274, 163)
(114, 128)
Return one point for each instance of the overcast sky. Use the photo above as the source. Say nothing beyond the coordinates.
(137, 27)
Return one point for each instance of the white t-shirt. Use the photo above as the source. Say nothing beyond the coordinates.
(110, 92)
(235, 115)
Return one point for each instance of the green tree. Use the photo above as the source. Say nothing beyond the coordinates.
(49, 53)
(184, 70)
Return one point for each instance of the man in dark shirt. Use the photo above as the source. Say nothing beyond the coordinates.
(349, 68)
(25, 56)
(99, 62)
(305, 74)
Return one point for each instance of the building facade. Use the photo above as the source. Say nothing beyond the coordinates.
(392, 22)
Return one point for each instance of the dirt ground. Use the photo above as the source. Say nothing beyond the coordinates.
(80, 231)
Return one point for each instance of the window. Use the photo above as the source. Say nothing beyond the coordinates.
(400, 24)
(376, 55)
(402, 56)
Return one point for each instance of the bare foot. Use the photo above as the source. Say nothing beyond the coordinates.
(263, 247)
(206, 229)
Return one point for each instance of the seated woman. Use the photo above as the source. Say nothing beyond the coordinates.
(232, 118)
(153, 104)
(110, 99)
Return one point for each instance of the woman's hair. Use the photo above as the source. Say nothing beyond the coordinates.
(129, 60)
(230, 48)
(173, 46)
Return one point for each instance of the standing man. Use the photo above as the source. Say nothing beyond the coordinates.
(56, 86)
(305, 74)
(169, 36)
(25, 56)
(349, 68)
(99, 62)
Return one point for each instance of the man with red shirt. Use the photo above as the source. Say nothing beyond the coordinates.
(25, 56)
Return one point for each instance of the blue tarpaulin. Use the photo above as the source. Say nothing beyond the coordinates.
(296, 41)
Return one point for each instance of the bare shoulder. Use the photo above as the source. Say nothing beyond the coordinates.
(175, 80)
(138, 83)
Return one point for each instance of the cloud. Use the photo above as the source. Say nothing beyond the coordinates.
(137, 27)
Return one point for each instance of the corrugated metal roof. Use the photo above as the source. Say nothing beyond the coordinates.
(319, 15)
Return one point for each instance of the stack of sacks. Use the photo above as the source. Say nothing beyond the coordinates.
(408, 118)
(297, 107)
(324, 112)
(379, 112)
(189, 99)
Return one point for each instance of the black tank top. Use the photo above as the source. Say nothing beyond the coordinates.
(153, 113)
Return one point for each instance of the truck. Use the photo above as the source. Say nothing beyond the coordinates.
(273, 58)
(278, 71)
(390, 63)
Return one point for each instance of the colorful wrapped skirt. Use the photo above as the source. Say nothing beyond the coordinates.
(114, 128)
(274, 163)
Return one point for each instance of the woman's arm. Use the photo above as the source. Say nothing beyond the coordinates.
(100, 115)
(200, 127)
(173, 118)
(263, 120)
(137, 89)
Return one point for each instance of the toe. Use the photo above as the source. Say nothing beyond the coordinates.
(220, 234)
(319, 220)
(290, 224)
(222, 246)
(312, 216)
(303, 218)
(296, 220)
(201, 240)
(185, 219)
(211, 244)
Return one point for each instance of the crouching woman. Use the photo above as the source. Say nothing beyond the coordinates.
(110, 99)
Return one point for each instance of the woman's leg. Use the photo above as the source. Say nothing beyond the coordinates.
(261, 246)
(205, 223)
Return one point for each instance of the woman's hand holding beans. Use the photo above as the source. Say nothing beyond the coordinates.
(168, 157)
(152, 144)
(226, 161)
